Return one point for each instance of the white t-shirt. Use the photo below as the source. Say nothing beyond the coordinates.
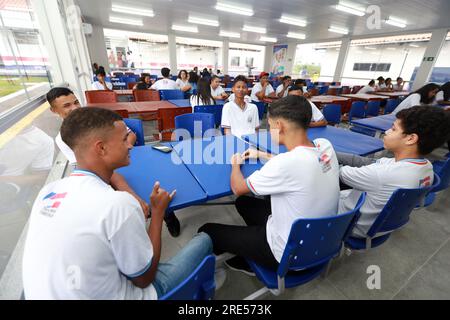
(316, 114)
(98, 86)
(241, 122)
(381, 86)
(410, 101)
(440, 96)
(246, 98)
(366, 89)
(280, 88)
(164, 84)
(218, 92)
(258, 88)
(84, 241)
(397, 87)
(380, 180)
(181, 84)
(197, 101)
(302, 183)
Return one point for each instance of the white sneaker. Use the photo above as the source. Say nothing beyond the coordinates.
(220, 276)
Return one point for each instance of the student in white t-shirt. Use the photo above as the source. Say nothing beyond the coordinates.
(183, 81)
(444, 93)
(203, 96)
(399, 85)
(88, 241)
(283, 89)
(217, 91)
(301, 183)
(101, 83)
(166, 83)
(318, 119)
(240, 117)
(416, 133)
(263, 89)
(370, 88)
(381, 86)
(424, 96)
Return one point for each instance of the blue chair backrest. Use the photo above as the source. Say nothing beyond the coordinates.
(332, 112)
(154, 77)
(261, 108)
(323, 90)
(171, 94)
(396, 212)
(315, 241)
(373, 108)
(391, 105)
(205, 121)
(136, 126)
(358, 110)
(216, 110)
(229, 85)
(199, 285)
(442, 169)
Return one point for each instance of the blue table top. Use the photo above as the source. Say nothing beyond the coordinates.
(380, 123)
(342, 140)
(187, 103)
(209, 162)
(149, 165)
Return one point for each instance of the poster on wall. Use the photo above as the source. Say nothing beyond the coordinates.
(279, 60)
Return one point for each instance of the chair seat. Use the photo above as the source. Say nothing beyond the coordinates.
(292, 279)
(360, 243)
(429, 199)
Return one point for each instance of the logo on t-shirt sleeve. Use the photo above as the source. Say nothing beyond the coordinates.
(52, 201)
(426, 182)
(325, 162)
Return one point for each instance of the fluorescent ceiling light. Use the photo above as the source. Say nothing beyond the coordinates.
(390, 48)
(414, 45)
(131, 10)
(370, 48)
(185, 28)
(396, 22)
(134, 22)
(234, 8)
(268, 39)
(296, 35)
(207, 22)
(254, 29)
(350, 8)
(338, 30)
(293, 20)
(229, 34)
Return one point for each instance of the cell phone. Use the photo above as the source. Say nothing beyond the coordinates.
(162, 148)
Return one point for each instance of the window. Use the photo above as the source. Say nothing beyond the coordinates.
(384, 67)
(198, 53)
(441, 70)
(235, 61)
(245, 59)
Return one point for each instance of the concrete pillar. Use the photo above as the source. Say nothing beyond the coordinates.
(97, 47)
(342, 59)
(225, 56)
(268, 54)
(173, 54)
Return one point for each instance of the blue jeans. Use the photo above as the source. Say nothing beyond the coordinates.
(173, 272)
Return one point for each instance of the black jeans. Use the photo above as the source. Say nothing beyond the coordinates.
(245, 241)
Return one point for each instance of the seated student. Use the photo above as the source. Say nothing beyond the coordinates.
(368, 88)
(240, 117)
(144, 83)
(399, 85)
(166, 83)
(101, 83)
(301, 183)
(283, 89)
(381, 86)
(183, 81)
(416, 133)
(263, 89)
(301, 83)
(203, 96)
(424, 96)
(219, 74)
(444, 94)
(389, 85)
(317, 120)
(86, 240)
(193, 80)
(217, 91)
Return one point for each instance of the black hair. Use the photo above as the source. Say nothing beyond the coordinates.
(193, 77)
(431, 124)
(165, 72)
(295, 88)
(380, 78)
(295, 109)
(57, 92)
(179, 73)
(424, 92)
(240, 78)
(204, 92)
(372, 82)
(446, 89)
(101, 72)
(399, 78)
(214, 77)
(286, 78)
(83, 121)
(388, 79)
(300, 82)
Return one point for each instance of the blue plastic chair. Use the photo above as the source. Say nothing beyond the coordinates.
(323, 90)
(200, 285)
(441, 169)
(261, 108)
(216, 110)
(390, 106)
(332, 113)
(136, 126)
(171, 94)
(187, 122)
(357, 110)
(311, 245)
(373, 108)
(394, 215)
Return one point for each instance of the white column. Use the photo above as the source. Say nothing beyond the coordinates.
(342, 59)
(173, 54)
(97, 47)
(268, 54)
(225, 56)
(292, 49)
(429, 59)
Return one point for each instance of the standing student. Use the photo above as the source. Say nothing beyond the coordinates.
(424, 96)
(283, 89)
(301, 183)
(101, 83)
(318, 119)
(263, 89)
(416, 132)
(203, 96)
(166, 83)
(368, 88)
(86, 240)
(399, 85)
(183, 81)
(240, 117)
(217, 91)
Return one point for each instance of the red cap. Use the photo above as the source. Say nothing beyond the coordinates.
(263, 74)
